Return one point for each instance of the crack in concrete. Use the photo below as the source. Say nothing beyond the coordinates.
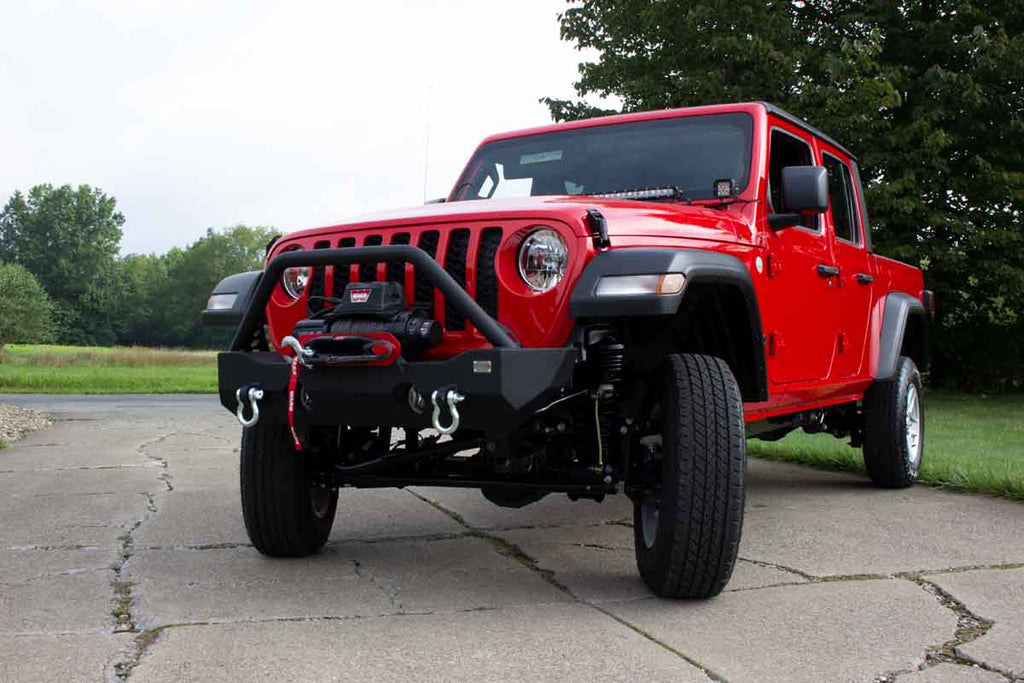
(143, 449)
(389, 590)
(514, 552)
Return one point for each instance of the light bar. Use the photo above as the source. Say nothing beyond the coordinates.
(654, 193)
(664, 284)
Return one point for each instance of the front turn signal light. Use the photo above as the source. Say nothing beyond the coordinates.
(665, 284)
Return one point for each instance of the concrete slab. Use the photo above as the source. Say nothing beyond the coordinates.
(537, 643)
(349, 580)
(951, 673)
(828, 523)
(130, 479)
(598, 563)
(74, 521)
(555, 509)
(852, 631)
(69, 658)
(997, 595)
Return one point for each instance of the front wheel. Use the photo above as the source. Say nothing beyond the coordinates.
(287, 513)
(687, 530)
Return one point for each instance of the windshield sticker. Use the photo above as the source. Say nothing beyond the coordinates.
(540, 157)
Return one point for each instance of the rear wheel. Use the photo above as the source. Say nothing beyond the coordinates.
(287, 512)
(894, 428)
(687, 530)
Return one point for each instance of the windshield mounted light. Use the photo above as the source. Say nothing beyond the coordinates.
(221, 302)
(543, 258)
(295, 280)
(665, 284)
(724, 188)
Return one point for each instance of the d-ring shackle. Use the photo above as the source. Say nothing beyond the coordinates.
(255, 395)
(452, 397)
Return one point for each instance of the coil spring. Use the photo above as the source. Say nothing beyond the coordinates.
(610, 358)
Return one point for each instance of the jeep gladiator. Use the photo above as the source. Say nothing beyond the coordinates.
(609, 306)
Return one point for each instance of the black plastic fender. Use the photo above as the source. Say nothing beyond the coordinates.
(899, 307)
(242, 285)
(698, 266)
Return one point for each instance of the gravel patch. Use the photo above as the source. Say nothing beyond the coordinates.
(16, 422)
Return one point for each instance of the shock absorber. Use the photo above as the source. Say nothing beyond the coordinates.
(610, 359)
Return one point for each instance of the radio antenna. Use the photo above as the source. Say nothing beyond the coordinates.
(426, 141)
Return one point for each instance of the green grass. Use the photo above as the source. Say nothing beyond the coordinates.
(972, 443)
(46, 369)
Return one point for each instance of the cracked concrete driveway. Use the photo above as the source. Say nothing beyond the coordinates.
(123, 556)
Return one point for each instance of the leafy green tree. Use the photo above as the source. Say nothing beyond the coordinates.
(26, 313)
(192, 273)
(929, 93)
(68, 238)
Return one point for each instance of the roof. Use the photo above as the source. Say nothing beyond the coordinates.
(797, 121)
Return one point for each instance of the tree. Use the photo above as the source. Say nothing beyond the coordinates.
(26, 313)
(929, 93)
(68, 238)
(192, 273)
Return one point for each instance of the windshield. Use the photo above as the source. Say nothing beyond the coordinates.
(688, 153)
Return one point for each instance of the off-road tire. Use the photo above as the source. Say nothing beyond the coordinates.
(285, 516)
(699, 517)
(889, 451)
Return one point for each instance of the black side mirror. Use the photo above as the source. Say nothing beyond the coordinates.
(804, 191)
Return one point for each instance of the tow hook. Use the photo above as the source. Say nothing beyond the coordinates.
(452, 397)
(301, 352)
(254, 396)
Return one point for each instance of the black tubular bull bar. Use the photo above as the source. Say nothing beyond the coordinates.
(420, 259)
(502, 385)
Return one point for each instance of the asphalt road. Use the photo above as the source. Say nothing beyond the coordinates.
(123, 556)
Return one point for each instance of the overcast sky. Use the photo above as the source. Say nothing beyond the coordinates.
(198, 114)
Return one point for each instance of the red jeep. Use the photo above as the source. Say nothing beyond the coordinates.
(599, 307)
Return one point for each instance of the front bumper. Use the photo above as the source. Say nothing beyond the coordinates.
(503, 387)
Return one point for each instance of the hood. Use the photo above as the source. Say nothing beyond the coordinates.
(626, 218)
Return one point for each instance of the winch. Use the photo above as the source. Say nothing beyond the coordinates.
(375, 308)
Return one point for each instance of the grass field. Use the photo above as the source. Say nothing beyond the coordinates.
(47, 369)
(972, 443)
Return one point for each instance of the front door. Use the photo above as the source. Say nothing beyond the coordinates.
(800, 304)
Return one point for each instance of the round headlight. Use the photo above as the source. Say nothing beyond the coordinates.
(543, 257)
(295, 280)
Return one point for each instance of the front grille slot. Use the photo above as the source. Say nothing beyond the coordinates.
(368, 271)
(424, 291)
(317, 282)
(455, 264)
(343, 274)
(396, 269)
(486, 277)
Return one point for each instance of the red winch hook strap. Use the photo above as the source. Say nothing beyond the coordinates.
(292, 381)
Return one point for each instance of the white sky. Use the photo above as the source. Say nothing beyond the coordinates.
(198, 114)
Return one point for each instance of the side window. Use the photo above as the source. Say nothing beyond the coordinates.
(787, 150)
(842, 200)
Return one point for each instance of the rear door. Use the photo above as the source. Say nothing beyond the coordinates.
(855, 282)
(799, 310)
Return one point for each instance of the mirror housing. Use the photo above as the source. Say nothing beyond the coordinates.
(804, 191)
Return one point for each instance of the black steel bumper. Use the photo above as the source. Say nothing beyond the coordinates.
(502, 385)
(502, 388)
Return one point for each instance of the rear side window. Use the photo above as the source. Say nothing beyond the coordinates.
(787, 150)
(842, 201)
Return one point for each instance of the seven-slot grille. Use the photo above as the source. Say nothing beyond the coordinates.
(467, 254)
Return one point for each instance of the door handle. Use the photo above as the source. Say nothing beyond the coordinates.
(828, 271)
(864, 278)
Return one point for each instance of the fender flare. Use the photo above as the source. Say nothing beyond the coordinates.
(242, 285)
(899, 308)
(697, 265)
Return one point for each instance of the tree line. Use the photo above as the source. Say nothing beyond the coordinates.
(62, 278)
(928, 93)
